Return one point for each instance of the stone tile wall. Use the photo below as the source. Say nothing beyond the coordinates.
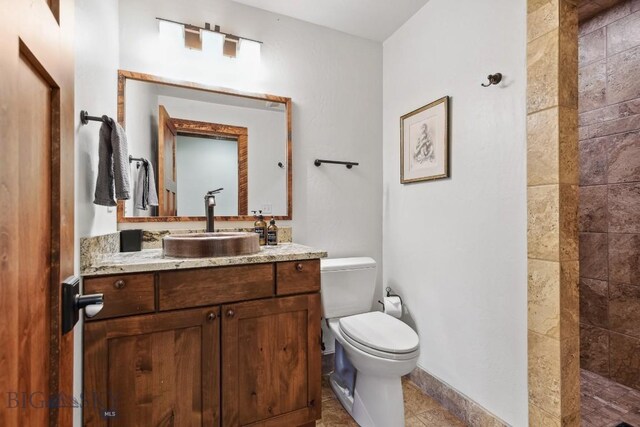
(590, 8)
(552, 233)
(609, 128)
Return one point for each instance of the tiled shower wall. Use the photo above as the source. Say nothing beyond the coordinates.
(590, 8)
(610, 193)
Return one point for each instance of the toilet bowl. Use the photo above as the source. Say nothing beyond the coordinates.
(378, 349)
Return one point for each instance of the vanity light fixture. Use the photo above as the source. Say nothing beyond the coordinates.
(171, 33)
(249, 54)
(212, 44)
(230, 46)
(193, 36)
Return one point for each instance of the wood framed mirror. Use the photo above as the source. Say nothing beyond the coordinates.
(197, 138)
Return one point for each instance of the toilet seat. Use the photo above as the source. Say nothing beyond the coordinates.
(381, 335)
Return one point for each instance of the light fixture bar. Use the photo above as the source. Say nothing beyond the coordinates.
(207, 27)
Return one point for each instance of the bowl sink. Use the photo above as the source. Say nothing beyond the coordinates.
(207, 245)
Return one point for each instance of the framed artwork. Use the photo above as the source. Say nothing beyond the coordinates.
(424, 143)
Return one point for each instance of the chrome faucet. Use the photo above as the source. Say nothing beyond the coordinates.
(209, 205)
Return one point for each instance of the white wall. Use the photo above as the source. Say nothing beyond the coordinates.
(96, 52)
(334, 80)
(96, 91)
(455, 249)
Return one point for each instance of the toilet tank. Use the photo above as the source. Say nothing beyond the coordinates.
(347, 286)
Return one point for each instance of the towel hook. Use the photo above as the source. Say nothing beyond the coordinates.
(494, 79)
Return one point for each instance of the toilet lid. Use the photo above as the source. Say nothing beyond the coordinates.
(380, 332)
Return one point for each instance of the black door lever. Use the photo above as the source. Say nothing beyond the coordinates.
(73, 302)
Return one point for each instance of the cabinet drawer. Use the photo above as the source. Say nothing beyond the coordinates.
(123, 295)
(210, 286)
(297, 277)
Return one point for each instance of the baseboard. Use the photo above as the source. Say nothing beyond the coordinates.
(455, 402)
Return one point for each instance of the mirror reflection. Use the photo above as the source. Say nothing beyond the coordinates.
(216, 159)
(187, 141)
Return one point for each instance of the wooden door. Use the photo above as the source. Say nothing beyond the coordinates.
(167, 180)
(271, 362)
(36, 210)
(153, 370)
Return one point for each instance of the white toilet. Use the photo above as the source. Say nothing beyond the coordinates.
(373, 350)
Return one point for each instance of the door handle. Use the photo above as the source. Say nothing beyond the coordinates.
(92, 303)
(73, 302)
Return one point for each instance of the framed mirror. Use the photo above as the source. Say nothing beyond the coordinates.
(189, 138)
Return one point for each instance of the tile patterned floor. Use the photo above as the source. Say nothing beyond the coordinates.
(605, 403)
(420, 410)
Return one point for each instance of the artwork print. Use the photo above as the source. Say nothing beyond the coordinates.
(424, 143)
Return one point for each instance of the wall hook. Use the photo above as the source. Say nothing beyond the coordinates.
(494, 79)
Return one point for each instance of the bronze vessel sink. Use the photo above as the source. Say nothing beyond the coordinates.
(208, 245)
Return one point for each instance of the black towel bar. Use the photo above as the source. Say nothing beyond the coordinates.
(85, 117)
(349, 165)
(137, 159)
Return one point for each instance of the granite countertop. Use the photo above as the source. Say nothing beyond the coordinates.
(149, 260)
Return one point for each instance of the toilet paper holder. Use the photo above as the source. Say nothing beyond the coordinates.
(389, 291)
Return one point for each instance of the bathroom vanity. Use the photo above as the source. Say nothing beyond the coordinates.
(229, 341)
(224, 341)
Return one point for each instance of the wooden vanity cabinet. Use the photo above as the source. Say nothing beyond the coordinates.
(153, 370)
(251, 359)
(271, 362)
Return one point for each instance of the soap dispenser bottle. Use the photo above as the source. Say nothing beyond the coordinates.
(272, 233)
(260, 227)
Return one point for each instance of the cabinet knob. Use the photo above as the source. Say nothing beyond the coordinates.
(299, 267)
(231, 313)
(119, 284)
(211, 317)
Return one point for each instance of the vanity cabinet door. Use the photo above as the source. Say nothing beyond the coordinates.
(156, 370)
(271, 362)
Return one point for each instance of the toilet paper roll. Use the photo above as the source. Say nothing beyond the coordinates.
(393, 306)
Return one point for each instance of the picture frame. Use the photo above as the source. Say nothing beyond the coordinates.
(424, 143)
